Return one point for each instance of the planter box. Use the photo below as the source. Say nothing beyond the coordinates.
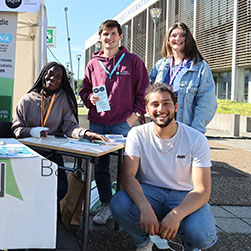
(234, 124)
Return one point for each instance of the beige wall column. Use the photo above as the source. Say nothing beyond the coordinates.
(234, 68)
(239, 83)
(132, 23)
(147, 34)
(249, 87)
(194, 18)
(167, 14)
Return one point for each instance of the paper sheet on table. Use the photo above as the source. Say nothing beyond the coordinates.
(72, 144)
(118, 138)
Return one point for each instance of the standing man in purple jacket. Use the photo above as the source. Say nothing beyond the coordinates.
(125, 78)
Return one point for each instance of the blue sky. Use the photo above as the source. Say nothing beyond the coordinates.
(84, 18)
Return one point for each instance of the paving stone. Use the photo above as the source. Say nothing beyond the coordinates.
(247, 220)
(239, 211)
(218, 211)
(219, 230)
(233, 225)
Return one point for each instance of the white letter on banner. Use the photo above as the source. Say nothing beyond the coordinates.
(46, 169)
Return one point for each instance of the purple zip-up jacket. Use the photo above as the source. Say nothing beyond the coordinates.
(125, 90)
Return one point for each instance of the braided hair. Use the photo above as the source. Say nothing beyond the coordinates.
(65, 85)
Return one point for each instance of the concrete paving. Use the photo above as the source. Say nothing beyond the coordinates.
(231, 203)
(233, 219)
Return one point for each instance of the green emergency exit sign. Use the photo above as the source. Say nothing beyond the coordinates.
(51, 36)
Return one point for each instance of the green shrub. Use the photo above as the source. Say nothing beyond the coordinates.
(231, 107)
(82, 111)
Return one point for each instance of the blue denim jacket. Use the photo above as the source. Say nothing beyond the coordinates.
(197, 102)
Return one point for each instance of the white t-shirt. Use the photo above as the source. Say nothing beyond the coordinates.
(168, 163)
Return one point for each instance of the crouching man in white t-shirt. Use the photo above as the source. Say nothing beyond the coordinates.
(166, 179)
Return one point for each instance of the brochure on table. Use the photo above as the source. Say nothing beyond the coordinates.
(15, 151)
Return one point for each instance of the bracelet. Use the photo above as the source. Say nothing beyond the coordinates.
(88, 130)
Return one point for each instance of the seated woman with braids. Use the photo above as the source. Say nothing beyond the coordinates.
(50, 108)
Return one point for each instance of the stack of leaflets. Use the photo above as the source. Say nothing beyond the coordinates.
(87, 142)
(15, 151)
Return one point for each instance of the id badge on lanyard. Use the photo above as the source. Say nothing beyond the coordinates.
(115, 67)
(173, 74)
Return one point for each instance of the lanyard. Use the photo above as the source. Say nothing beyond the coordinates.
(44, 120)
(115, 67)
(171, 74)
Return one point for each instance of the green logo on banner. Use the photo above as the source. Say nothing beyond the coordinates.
(11, 184)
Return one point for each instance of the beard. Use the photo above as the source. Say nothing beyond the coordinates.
(163, 124)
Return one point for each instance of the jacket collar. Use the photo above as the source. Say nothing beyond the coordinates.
(194, 66)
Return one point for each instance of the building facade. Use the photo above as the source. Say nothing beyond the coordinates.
(222, 30)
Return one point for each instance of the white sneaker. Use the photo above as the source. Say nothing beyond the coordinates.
(148, 247)
(104, 214)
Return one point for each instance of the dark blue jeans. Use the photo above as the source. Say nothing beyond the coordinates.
(102, 170)
(197, 230)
